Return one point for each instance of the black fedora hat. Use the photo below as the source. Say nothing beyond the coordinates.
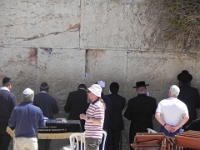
(140, 84)
(184, 76)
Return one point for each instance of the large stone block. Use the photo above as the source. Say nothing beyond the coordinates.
(63, 69)
(159, 69)
(20, 65)
(51, 23)
(109, 66)
(124, 24)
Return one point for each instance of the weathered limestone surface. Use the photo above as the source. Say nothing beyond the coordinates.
(40, 23)
(63, 69)
(105, 65)
(20, 64)
(68, 42)
(121, 24)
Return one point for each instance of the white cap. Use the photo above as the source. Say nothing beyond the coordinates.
(101, 84)
(174, 90)
(96, 90)
(28, 92)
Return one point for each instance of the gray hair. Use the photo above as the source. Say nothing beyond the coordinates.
(174, 90)
(28, 98)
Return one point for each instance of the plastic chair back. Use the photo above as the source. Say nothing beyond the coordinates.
(104, 140)
(77, 140)
(149, 130)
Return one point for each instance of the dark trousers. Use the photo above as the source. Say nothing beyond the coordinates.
(44, 144)
(4, 137)
(162, 129)
(113, 139)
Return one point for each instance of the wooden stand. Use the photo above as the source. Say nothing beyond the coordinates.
(147, 141)
(188, 139)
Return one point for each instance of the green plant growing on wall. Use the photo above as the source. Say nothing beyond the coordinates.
(182, 21)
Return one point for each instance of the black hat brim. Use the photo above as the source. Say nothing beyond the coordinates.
(185, 78)
(141, 86)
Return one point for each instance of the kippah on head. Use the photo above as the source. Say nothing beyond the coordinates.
(6, 80)
(102, 84)
(28, 92)
(44, 85)
(82, 86)
(28, 95)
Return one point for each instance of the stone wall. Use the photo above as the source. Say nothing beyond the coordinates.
(68, 42)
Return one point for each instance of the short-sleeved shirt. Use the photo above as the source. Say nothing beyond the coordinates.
(96, 111)
(171, 110)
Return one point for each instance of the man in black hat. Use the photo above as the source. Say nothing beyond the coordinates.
(49, 106)
(140, 111)
(188, 95)
(7, 103)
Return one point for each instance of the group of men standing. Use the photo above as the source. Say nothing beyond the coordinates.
(77, 104)
(102, 112)
(174, 113)
(25, 118)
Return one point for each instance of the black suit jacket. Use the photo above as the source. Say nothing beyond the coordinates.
(190, 96)
(118, 103)
(194, 125)
(47, 104)
(76, 104)
(7, 103)
(140, 111)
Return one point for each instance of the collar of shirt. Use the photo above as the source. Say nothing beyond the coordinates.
(25, 103)
(43, 92)
(142, 94)
(171, 98)
(95, 101)
(5, 88)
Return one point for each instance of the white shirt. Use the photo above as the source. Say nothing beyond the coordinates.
(171, 110)
(5, 88)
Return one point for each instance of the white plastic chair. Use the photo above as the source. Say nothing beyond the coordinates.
(77, 141)
(104, 140)
(81, 138)
(149, 130)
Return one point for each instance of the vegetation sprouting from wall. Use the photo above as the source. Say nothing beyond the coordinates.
(179, 20)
